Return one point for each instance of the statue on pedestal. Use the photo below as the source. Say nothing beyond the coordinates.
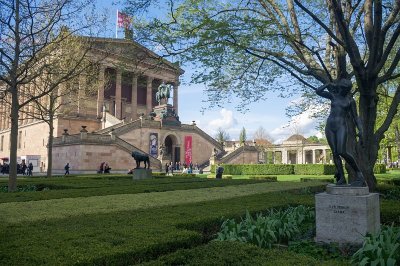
(163, 92)
(342, 104)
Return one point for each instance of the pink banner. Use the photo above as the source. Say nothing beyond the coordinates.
(188, 149)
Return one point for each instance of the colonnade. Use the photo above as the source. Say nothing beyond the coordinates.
(117, 111)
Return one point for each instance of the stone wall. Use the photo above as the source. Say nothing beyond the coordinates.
(87, 158)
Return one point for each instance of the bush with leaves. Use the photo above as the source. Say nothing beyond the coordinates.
(277, 227)
(382, 248)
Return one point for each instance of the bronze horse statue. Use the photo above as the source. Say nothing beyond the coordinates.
(163, 92)
(140, 157)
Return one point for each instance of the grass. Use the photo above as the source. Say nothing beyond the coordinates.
(18, 212)
(100, 185)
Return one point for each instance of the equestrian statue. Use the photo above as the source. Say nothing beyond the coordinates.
(163, 92)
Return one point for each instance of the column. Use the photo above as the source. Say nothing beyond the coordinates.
(134, 97)
(285, 156)
(81, 93)
(100, 92)
(118, 111)
(26, 107)
(176, 83)
(31, 104)
(149, 94)
(324, 154)
(313, 156)
(8, 119)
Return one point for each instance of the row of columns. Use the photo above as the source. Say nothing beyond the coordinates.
(118, 94)
(27, 112)
(300, 154)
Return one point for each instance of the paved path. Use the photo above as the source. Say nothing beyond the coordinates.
(17, 212)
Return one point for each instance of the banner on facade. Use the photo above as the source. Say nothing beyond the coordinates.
(188, 149)
(153, 144)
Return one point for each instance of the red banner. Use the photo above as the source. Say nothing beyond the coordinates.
(188, 149)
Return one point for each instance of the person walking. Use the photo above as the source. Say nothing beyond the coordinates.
(30, 169)
(66, 167)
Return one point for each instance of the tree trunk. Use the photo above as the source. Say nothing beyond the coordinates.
(368, 152)
(397, 137)
(12, 178)
(50, 147)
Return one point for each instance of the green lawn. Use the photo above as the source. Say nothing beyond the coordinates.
(112, 220)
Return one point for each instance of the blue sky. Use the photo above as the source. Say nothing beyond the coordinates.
(270, 113)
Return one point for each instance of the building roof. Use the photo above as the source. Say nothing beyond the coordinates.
(132, 51)
(296, 137)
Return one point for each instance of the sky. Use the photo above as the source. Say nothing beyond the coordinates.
(269, 113)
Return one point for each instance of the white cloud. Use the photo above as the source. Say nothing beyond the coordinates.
(226, 121)
(303, 124)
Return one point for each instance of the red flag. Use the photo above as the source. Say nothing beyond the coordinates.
(123, 20)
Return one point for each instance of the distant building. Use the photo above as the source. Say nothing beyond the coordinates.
(294, 150)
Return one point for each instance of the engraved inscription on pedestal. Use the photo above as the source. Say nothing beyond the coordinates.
(346, 214)
(141, 173)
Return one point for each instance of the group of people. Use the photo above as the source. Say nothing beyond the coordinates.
(104, 168)
(22, 168)
(178, 166)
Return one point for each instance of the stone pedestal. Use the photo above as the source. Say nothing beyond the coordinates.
(345, 214)
(142, 173)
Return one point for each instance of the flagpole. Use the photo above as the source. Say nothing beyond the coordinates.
(116, 27)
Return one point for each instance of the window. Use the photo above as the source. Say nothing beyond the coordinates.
(1, 143)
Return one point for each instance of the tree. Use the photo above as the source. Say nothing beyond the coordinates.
(81, 84)
(261, 135)
(222, 135)
(31, 34)
(247, 47)
(242, 136)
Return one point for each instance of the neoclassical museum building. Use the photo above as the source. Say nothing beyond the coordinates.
(122, 116)
(125, 113)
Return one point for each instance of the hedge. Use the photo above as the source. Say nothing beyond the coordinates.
(257, 169)
(183, 175)
(314, 169)
(236, 253)
(310, 179)
(264, 177)
(127, 237)
(285, 169)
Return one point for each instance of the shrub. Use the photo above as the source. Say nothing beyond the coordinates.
(382, 248)
(233, 253)
(379, 168)
(264, 177)
(257, 169)
(314, 169)
(278, 226)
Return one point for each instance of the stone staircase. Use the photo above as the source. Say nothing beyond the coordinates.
(101, 139)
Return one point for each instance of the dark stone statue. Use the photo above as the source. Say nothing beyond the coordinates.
(336, 130)
(140, 157)
(163, 92)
